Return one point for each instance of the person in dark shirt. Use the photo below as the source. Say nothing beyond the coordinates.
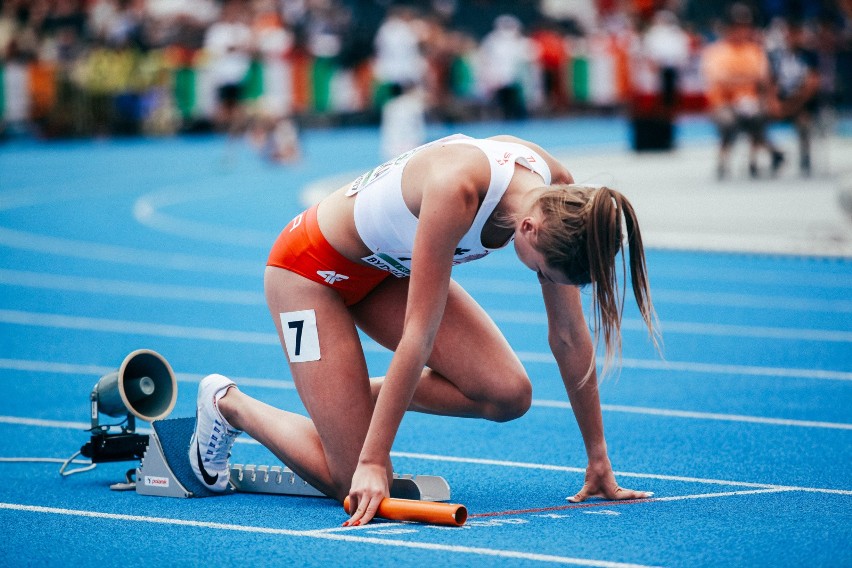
(796, 77)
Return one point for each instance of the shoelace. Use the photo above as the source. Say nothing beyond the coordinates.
(223, 440)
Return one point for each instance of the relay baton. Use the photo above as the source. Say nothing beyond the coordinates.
(428, 512)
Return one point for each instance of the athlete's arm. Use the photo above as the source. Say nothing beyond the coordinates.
(571, 344)
(448, 205)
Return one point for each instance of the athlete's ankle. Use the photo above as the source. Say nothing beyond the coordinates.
(228, 406)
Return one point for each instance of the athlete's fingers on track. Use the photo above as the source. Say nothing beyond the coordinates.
(619, 494)
(622, 494)
(583, 494)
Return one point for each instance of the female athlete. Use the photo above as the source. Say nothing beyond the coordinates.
(377, 254)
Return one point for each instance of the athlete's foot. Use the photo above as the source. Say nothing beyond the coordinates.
(210, 446)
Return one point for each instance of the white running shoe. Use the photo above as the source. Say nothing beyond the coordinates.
(210, 446)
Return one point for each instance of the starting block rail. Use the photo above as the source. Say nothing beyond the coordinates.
(165, 472)
(278, 480)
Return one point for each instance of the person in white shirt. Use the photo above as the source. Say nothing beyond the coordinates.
(228, 45)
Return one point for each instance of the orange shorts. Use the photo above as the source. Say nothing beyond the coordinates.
(302, 248)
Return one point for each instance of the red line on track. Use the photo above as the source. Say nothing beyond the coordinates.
(564, 507)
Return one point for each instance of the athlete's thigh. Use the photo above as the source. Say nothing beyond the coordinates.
(469, 350)
(327, 362)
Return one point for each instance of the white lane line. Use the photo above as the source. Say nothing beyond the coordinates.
(602, 503)
(688, 366)
(811, 279)
(525, 284)
(723, 494)
(729, 330)
(49, 281)
(748, 370)
(33, 242)
(96, 371)
(43, 423)
(702, 415)
(694, 328)
(791, 303)
(581, 470)
(146, 211)
(378, 525)
(321, 536)
(193, 378)
(135, 327)
(113, 287)
(59, 424)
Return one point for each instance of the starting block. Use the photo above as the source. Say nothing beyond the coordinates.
(165, 472)
(277, 480)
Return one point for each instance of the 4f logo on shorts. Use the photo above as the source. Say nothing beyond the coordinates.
(331, 276)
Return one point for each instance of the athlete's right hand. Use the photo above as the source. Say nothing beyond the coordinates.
(369, 487)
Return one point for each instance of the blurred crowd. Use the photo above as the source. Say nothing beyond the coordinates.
(106, 67)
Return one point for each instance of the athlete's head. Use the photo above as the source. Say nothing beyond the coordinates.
(572, 235)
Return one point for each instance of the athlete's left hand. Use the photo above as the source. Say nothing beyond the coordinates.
(600, 482)
(369, 487)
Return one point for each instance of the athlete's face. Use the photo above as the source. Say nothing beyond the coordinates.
(525, 247)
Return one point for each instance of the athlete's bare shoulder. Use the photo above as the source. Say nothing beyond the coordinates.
(558, 172)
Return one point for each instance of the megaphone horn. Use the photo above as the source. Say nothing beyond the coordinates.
(144, 386)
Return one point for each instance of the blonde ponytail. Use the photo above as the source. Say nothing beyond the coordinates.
(581, 236)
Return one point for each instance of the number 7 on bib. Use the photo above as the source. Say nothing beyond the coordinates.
(300, 335)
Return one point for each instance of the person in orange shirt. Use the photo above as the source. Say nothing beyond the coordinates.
(736, 70)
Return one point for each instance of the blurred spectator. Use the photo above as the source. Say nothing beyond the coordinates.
(505, 54)
(272, 129)
(78, 67)
(797, 81)
(578, 16)
(325, 24)
(464, 100)
(666, 45)
(403, 124)
(659, 56)
(399, 61)
(738, 87)
(228, 44)
(553, 58)
(438, 49)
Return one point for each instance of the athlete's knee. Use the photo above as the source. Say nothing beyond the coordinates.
(511, 401)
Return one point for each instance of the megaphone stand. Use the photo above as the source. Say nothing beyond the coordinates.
(113, 447)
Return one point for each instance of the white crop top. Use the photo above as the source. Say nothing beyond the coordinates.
(387, 226)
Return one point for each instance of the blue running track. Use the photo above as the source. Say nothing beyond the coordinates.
(744, 431)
